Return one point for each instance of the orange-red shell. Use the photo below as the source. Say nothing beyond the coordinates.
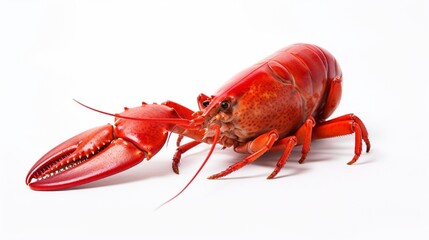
(279, 92)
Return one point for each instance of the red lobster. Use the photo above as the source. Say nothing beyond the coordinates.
(274, 105)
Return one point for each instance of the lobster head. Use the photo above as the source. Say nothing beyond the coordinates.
(250, 104)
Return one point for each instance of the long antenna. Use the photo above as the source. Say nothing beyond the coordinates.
(180, 121)
(215, 140)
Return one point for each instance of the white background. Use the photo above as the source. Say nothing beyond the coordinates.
(111, 54)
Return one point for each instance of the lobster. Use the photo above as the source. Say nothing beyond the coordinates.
(279, 103)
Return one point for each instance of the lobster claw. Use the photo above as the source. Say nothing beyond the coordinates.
(102, 151)
(89, 156)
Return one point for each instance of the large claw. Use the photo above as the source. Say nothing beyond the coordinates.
(102, 151)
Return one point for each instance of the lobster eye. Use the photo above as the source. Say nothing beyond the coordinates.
(206, 103)
(225, 105)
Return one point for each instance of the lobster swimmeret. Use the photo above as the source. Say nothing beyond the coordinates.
(274, 105)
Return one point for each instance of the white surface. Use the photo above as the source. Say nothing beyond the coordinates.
(118, 53)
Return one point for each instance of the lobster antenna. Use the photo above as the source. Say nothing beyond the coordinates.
(169, 134)
(179, 121)
(215, 139)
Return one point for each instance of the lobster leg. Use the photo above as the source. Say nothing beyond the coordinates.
(263, 143)
(302, 136)
(344, 125)
(178, 155)
(257, 147)
(309, 131)
(287, 144)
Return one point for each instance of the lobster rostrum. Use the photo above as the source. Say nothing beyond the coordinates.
(275, 105)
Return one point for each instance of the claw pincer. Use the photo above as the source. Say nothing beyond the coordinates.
(102, 151)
